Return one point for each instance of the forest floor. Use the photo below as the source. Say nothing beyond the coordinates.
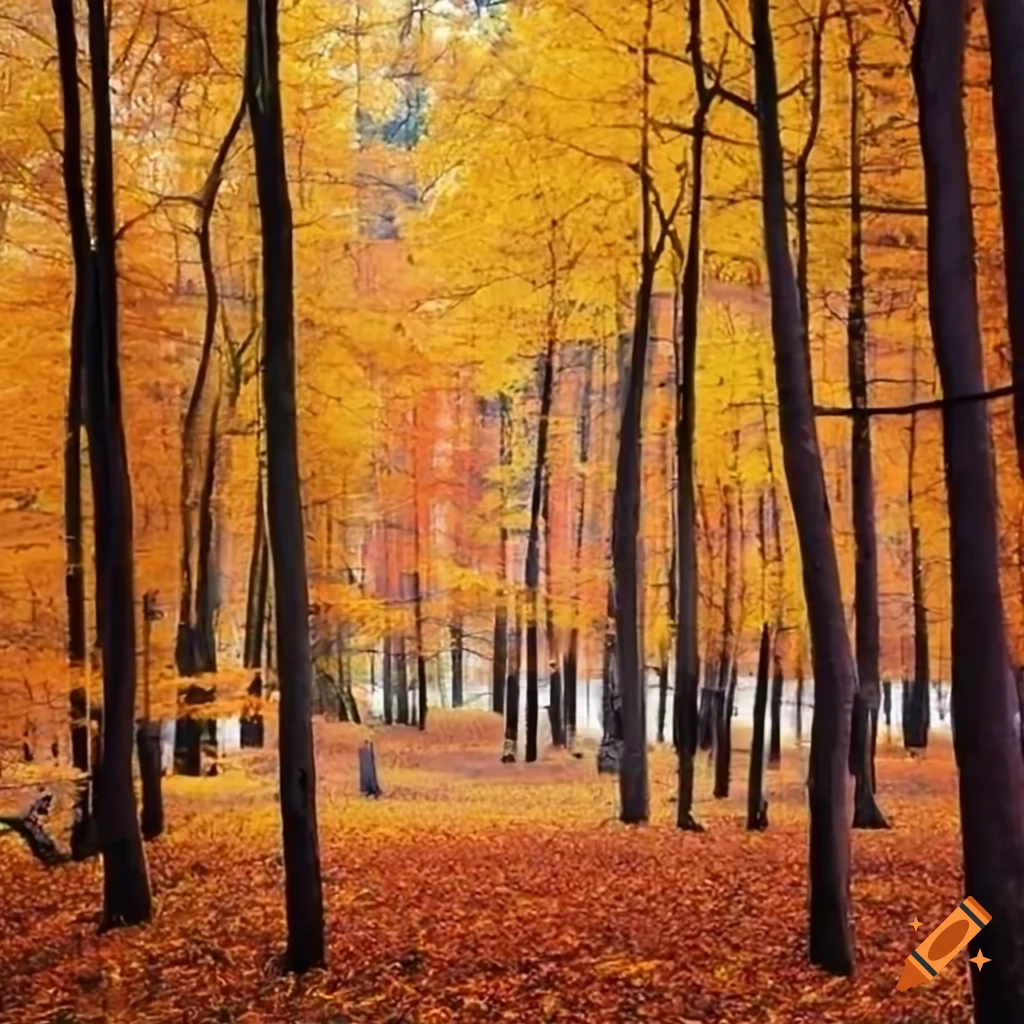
(480, 892)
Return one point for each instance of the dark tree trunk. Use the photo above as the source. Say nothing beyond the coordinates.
(81, 252)
(252, 719)
(831, 938)
(723, 731)
(1005, 20)
(256, 593)
(609, 753)
(916, 719)
(887, 702)
(402, 682)
(388, 694)
(508, 754)
(297, 773)
(633, 783)
(662, 696)
(685, 718)
(726, 660)
(456, 632)
(532, 570)
(501, 625)
(775, 741)
(147, 734)
(799, 703)
(866, 813)
(126, 895)
(571, 667)
(554, 663)
(196, 647)
(421, 653)
(983, 696)
(757, 806)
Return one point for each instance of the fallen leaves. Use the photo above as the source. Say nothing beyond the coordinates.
(479, 900)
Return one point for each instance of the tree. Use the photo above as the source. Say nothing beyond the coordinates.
(831, 939)
(126, 896)
(532, 567)
(757, 806)
(303, 889)
(82, 256)
(866, 700)
(986, 742)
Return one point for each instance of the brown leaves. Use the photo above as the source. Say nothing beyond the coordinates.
(500, 896)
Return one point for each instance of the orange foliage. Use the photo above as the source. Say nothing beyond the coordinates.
(477, 892)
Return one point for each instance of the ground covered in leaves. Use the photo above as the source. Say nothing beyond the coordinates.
(477, 892)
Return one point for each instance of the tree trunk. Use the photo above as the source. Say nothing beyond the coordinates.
(983, 695)
(1005, 19)
(256, 592)
(532, 570)
(421, 654)
(866, 813)
(633, 784)
(662, 695)
(508, 754)
(831, 938)
(554, 662)
(126, 894)
(81, 251)
(501, 626)
(727, 653)
(456, 634)
(686, 721)
(388, 695)
(297, 774)
(757, 806)
(917, 705)
(402, 682)
(775, 741)
(887, 702)
(571, 669)
(799, 723)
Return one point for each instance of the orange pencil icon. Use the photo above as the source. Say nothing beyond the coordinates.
(944, 943)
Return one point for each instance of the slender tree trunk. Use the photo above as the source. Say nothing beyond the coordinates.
(685, 726)
(757, 806)
(915, 693)
(831, 938)
(984, 700)
(633, 784)
(501, 627)
(508, 754)
(256, 592)
(83, 839)
(866, 813)
(297, 775)
(402, 665)
(775, 739)
(1005, 19)
(195, 648)
(421, 654)
(727, 654)
(456, 634)
(147, 735)
(571, 668)
(126, 895)
(554, 660)
(388, 694)
(532, 571)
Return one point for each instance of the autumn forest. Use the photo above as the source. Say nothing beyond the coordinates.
(511, 510)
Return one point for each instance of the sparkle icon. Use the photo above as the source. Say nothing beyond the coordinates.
(981, 960)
